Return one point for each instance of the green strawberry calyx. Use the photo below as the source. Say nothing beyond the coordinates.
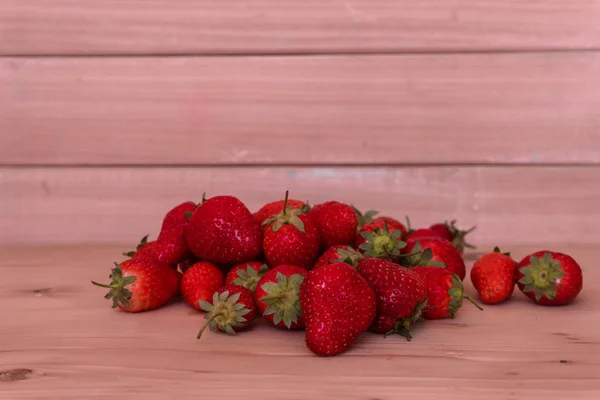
(224, 313)
(420, 257)
(403, 325)
(248, 277)
(497, 250)
(540, 276)
(381, 243)
(141, 244)
(348, 256)
(283, 298)
(457, 294)
(459, 236)
(364, 219)
(286, 216)
(118, 291)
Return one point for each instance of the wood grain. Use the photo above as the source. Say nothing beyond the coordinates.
(528, 205)
(287, 26)
(507, 108)
(58, 326)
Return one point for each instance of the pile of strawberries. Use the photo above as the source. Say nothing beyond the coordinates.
(328, 269)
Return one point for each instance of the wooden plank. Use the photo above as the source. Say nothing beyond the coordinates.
(528, 205)
(73, 343)
(287, 26)
(507, 108)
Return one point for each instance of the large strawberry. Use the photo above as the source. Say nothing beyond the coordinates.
(231, 310)
(277, 296)
(445, 292)
(401, 295)
(141, 285)
(337, 223)
(275, 207)
(550, 278)
(338, 306)
(494, 276)
(199, 282)
(339, 253)
(433, 251)
(223, 231)
(247, 274)
(377, 239)
(291, 237)
(450, 232)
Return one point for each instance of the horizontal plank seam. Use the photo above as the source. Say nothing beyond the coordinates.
(323, 53)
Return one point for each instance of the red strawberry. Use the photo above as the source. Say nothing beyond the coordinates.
(247, 274)
(450, 232)
(339, 253)
(550, 278)
(231, 310)
(277, 296)
(445, 292)
(401, 294)
(374, 240)
(222, 230)
(275, 207)
(337, 223)
(199, 282)
(434, 251)
(291, 238)
(422, 233)
(141, 285)
(338, 306)
(172, 233)
(366, 218)
(493, 276)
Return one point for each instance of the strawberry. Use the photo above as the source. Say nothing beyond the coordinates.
(275, 207)
(337, 223)
(338, 306)
(422, 233)
(450, 232)
(291, 237)
(376, 240)
(231, 310)
(172, 233)
(493, 276)
(277, 296)
(141, 285)
(199, 282)
(401, 294)
(550, 278)
(434, 251)
(339, 253)
(445, 292)
(366, 218)
(392, 224)
(247, 274)
(222, 230)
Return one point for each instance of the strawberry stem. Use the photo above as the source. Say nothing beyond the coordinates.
(104, 286)
(211, 319)
(473, 301)
(285, 200)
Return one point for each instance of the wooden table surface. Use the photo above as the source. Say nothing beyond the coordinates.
(67, 342)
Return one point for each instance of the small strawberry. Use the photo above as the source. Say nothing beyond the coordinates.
(550, 278)
(199, 282)
(275, 207)
(247, 274)
(433, 251)
(231, 310)
(141, 285)
(445, 292)
(291, 237)
(366, 218)
(381, 241)
(277, 296)
(493, 276)
(401, 294)
(338, 306)
(172, 233)
(450, 232)
(339, 253)
(337, 223)
(223, 231)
